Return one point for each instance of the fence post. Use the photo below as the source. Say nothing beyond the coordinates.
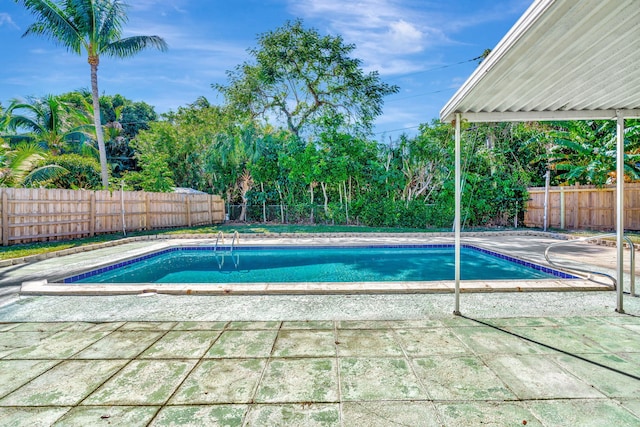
(562, 208)
(545, 218)
(188, 201)
(92, 214)
(210, 196)
(576, 210)
(147, 212)
(5, 218)
(614, 208)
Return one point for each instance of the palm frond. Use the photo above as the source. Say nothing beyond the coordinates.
(89, 150)
(26, 123)
(83, 14)
(572, 145)
(131, 45)
(53, 23)
(17, 162)
(43, 173)
(112, 19)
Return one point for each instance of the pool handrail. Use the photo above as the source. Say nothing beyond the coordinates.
(632, 264)
(220, 234)
(236, 238)
(236, 260)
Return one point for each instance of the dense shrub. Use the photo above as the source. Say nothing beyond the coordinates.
(81, 172)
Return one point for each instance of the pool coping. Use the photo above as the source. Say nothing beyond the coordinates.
(44, 287)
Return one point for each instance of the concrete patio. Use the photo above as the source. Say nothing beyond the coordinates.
(431, 372)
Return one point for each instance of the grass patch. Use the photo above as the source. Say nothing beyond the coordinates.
(28, 249)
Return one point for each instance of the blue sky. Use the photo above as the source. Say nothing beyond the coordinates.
(423, 46)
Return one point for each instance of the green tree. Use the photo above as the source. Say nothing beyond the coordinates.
(237, 147)
(301, 78)
(585, 151)
(155, 174)
(343, 160)
(50, 122)
(95, 27)
(305, 166)
(424, 162)
(270, 172)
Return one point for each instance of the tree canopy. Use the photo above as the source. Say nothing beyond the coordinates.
(301, 78)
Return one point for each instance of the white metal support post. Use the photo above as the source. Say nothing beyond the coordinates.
(620, 211)
(458, 176)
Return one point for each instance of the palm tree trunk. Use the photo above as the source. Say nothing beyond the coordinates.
(93, 62)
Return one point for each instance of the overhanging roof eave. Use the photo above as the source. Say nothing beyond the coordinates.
(524, 23)
(562, 60)
(540, 116)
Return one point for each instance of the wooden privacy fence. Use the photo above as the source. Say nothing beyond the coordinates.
(583, 207)
(30, 215)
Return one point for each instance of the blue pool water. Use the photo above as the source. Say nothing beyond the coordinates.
(315, 264)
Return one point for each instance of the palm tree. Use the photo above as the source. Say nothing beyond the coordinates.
(18, 165)
(51, 123)
(95, 27)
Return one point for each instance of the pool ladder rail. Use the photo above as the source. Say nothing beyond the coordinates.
(590, 273)
(234, 241)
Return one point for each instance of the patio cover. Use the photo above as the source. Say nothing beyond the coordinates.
(562, 60)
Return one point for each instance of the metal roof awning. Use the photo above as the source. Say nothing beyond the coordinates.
(562, 60)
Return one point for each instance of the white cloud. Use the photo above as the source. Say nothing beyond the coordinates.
(402, 33)
(393, 36)
(386, 32)
(181, 39)
(393, 66)
(5, 19)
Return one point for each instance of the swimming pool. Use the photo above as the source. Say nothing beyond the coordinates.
(336, 264)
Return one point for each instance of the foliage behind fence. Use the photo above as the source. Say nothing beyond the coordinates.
(30, 215)
(416, 214)
(583, 207)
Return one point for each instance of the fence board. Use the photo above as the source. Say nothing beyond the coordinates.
(36, 214)
(585, 207)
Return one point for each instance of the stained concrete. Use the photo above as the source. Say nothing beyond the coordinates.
(513, 358)
(356, 373)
